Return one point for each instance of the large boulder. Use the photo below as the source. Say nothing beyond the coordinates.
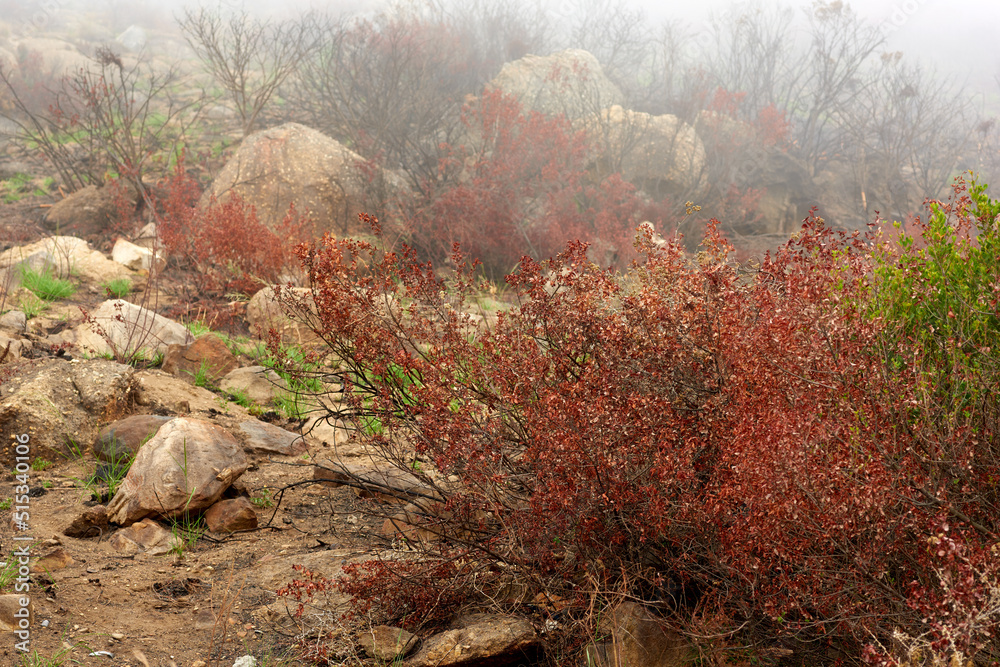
(58, 405)
(292, 163)
(184, 468)
(569, 82)
(118, 325)
(661, 155)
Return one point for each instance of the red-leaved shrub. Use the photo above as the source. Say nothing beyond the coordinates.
(748, 447)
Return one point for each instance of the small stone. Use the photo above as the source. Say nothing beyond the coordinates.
(229, 516)
(118, 635)
(56, 559)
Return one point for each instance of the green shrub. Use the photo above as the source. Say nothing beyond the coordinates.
(118, 288)
(46, 285)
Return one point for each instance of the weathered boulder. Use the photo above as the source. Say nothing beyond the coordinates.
(258, 383)
(569, 82)
(484, 640)
(385, 482)
(207, 356)
(119, 442)
(58, 403)
(128, 327)
(89, 211)
(229, 516)
(185, 467)
(661, 155)
(292, 163)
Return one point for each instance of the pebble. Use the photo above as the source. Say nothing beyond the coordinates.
(117, 635)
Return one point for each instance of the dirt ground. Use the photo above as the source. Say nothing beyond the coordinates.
(177, 609)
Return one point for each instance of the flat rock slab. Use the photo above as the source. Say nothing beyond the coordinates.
(385, 483)
(263, 438)
(144, 536)
(185, 467)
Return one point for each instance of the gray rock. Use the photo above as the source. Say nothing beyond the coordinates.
(130, 327)
(264, 438)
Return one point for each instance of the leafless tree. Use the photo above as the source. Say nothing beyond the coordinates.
(249, 57)
(909, 131)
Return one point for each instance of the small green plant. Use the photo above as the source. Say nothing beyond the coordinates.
(36, 659)
(31, 305)
(8, 573)
(203, 376)
(45, 284)
(198, 328)
(40, 464)
(6, 504)
(187, 530)
(240, 398)
(119, 288)
(46, 484)
(263, 499)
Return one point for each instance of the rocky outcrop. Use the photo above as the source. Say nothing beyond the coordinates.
(185, 467)
(569, 82)
(58, 404)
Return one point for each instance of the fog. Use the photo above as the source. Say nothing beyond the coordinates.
(879, 105)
